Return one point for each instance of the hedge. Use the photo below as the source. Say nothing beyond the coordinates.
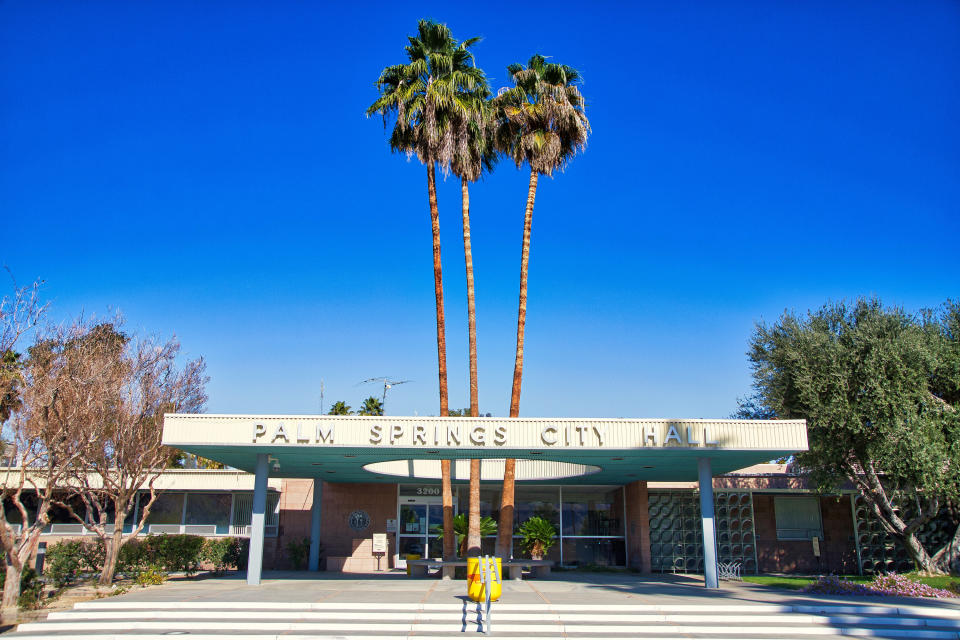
(66, 561)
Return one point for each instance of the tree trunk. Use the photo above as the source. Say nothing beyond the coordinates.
(447, 489)
(111, 547)
(505, 531)
(473, 519)
(505, 525)
(449, 541)
(438, 288)
(921, 559)
(873, 492)
(471, 305)
(947, 559)
(11, 589)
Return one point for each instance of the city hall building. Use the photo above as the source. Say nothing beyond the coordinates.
(651, 495)
(648, 495)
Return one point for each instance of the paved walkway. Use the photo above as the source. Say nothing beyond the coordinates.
(582, 606)
(572, 588)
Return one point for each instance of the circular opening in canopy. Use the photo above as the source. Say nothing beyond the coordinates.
(491, 470)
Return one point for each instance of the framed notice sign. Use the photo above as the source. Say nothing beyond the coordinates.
(379, 543)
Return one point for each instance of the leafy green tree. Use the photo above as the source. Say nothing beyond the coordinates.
(371, 407)
(541, 123)
(340, 408)
(879, 389)
(426, 97)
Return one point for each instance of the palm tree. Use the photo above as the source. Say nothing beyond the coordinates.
(472, 155)
(541, 123)
(371, 407)
(424, 95)
(340, 408)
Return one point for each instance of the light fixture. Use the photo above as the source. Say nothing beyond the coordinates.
(618, 458)
(536, 453)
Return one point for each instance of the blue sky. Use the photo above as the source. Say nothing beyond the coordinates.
(207, 169)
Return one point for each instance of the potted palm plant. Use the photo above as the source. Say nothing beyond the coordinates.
(538, 536)
(488, 527)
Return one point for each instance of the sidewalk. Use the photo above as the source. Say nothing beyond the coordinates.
(571, 588)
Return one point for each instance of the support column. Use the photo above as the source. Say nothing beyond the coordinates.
(258, 521)
(638, 525)
(315, 524)
(711, 579)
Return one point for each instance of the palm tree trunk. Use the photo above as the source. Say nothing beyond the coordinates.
(447, 490)
(438, 289)
(473, 518)
(471, 305)
(505, 532)
(449, 543)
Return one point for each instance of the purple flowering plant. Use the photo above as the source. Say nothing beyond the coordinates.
(891, 584)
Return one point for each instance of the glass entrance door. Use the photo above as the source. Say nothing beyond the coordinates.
(419, 523)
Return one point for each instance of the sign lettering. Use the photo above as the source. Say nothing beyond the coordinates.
(473, 435)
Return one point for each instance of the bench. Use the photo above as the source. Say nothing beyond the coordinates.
(539, 568)
(418, 568)
(514, 568)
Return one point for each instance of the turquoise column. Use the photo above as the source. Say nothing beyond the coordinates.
(315, 524)
(711, 578)
(258, 521)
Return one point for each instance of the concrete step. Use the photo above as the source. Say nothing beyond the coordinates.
(513, 616)
(134, 620)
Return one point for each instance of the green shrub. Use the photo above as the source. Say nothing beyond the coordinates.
(92, 555)
(179, 552)
(31, 590)
(151, 575)
(224, 553)
(538, 536)
(64, 563)
(239, 553)
(298, 550)
(132, 557)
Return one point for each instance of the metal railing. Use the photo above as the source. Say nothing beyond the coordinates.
(488, 577)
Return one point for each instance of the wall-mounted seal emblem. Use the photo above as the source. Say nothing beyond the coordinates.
(359, 520)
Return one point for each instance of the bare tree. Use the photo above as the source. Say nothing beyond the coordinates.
(38, 451)
(122, 453)
(19, 313)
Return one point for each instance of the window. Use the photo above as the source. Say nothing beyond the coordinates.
(592, 512)
(166, 510)
(798, 518)
(209, 509)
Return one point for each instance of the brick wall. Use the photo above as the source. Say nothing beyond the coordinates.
(340, 500)
(638, 526)
(837, 549)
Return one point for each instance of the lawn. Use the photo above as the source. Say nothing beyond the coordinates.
(799, 582)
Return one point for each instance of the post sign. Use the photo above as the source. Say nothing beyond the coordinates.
(379, 543)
